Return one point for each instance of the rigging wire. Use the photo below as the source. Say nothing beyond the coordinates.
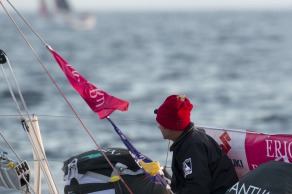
(69, 104)
(147, 121)
(19, 159)
(26, 22)
(11, 92)
(51, 187)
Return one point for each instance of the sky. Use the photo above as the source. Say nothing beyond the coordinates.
(160, 4)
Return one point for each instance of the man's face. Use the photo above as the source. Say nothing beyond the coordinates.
(166, 133)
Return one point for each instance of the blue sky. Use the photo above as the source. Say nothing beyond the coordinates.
(160, 4)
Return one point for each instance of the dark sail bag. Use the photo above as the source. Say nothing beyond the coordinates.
(90, 172)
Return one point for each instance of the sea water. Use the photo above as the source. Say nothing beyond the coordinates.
(234, 66)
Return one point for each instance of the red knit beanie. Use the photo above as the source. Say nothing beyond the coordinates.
(174, 113)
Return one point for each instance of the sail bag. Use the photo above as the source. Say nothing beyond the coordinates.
(90, 172)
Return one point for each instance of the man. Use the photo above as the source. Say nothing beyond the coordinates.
(199, 165)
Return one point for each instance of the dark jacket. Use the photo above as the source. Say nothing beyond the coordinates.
(199, 165)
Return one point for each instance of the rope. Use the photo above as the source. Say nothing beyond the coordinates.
(167, 151)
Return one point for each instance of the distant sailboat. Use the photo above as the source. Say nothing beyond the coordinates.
(63, 13)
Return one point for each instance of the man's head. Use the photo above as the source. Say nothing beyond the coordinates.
(175, 112)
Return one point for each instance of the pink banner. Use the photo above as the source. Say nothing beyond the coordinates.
(261, 148)
(247, 150)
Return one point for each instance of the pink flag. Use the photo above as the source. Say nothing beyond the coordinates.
(98, 100)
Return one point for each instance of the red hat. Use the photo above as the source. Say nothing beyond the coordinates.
(174, 113)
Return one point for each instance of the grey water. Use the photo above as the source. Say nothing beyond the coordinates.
(234, 66)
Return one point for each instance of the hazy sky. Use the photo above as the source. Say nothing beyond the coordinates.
(159, 4)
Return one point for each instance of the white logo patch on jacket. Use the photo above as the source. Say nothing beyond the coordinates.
(187, 166)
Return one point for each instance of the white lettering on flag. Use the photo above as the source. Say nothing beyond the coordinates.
(95, 93)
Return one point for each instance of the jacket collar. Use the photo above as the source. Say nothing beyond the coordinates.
(189, 128)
